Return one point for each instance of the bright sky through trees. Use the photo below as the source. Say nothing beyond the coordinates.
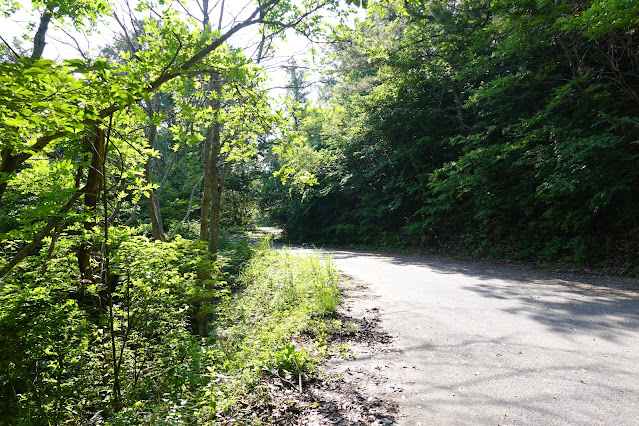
(66, 42)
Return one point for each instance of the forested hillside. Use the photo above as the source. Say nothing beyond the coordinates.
(503, 128)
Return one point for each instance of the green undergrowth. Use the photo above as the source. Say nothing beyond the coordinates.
(253, 339)
(285, 295)
(59, 339)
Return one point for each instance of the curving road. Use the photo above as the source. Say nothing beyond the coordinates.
(480, 344)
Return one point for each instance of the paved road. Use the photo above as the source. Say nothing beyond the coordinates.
(479, 344)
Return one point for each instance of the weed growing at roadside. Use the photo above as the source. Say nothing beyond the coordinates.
(253, 338)
(284, 294)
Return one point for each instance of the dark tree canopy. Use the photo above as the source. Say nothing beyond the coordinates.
(501, 128)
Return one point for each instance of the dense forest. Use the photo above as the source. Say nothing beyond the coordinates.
(130, 292)
(504, 129)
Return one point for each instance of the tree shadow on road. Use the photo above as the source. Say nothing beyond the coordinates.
(566, 303)
(490, 271)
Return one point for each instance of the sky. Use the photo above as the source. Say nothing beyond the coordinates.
(63, 44)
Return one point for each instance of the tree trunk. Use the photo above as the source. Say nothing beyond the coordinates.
(39, 39)
(152, 201)
(214, 222)
(90, 201)
(157, 227)
(8, 165)
(208, 222)
(211, 154)
(208, 183)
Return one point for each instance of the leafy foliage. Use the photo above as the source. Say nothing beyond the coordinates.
(97, 319)
(504, 129)
(57, 360)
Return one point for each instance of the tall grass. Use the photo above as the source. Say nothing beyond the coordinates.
(284, 294)
(254, 333)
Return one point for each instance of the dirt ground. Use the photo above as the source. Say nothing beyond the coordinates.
(348, 395)
(342, 392)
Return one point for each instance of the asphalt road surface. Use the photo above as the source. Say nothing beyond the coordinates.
(482, 344)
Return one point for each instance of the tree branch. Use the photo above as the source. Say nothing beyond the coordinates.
(39, 38)
(53, 222)
(10, 48)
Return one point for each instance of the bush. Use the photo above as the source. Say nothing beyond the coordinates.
(72, 352)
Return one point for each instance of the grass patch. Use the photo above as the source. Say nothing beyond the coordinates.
(284, 294)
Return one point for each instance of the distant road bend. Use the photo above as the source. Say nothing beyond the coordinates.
(481, 344)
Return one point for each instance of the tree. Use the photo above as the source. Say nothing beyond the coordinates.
(80, 144)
